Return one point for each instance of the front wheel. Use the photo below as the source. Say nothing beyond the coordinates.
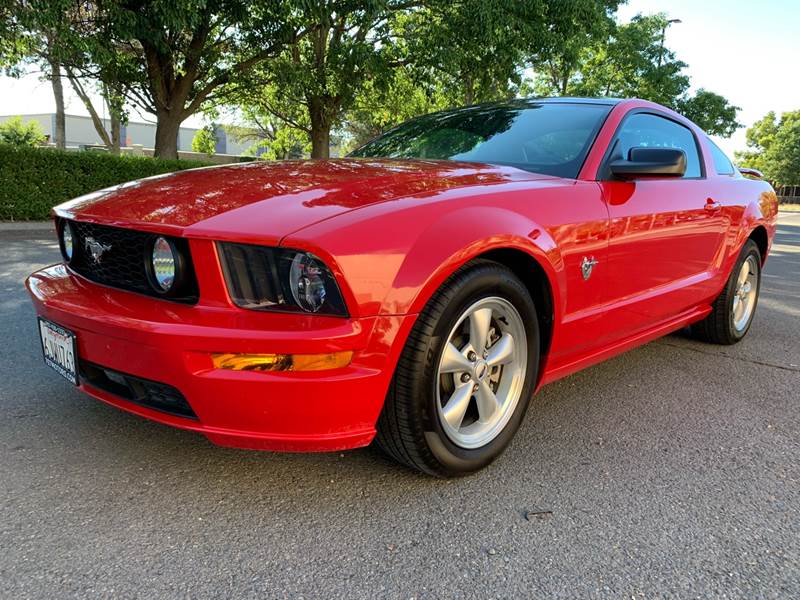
(466, 375)
(732, 312)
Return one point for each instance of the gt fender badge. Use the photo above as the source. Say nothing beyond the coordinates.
(587, 264)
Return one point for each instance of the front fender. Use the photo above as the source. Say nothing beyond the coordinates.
(457, 237)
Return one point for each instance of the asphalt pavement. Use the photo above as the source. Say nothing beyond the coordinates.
(670, 471)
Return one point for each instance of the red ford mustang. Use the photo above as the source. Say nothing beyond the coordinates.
(417, 292)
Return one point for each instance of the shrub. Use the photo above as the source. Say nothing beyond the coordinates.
(17, 133)
(33, 180)
(205, 140)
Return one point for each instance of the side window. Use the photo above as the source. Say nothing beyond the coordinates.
(651, 131)
(722, 165)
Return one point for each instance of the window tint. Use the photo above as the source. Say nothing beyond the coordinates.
(722, 165)
(549, 138)
(651, 131)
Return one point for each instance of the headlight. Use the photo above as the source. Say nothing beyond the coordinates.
(66, 241)
(262, 278)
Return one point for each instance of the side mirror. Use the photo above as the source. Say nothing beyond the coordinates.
(650, 162)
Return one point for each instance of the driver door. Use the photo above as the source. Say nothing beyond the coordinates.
(666, 236)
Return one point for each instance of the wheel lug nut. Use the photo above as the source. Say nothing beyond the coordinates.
(465, 377)
(472, 356)
(475, 388)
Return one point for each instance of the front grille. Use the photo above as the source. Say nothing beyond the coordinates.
(144, 392)
(122, 263)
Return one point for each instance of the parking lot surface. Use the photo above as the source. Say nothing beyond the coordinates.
(670, 471)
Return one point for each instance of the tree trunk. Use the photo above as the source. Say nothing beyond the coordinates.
(114, 105)
(320, 128)
(116, 132)
(469, 89)
(99, 126)
(167, 127)
(60, 134)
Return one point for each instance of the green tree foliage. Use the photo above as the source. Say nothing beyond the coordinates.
(205, 140)
(17, 133)
(378, 108)
(348, 43)
(632, 61)
(773, 147)
(278, 126)
(370, 63)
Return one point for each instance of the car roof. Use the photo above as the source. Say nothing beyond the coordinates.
(575, 100)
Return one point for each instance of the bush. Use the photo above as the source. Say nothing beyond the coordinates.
(34, 180)
(205, 141)
(17, 133)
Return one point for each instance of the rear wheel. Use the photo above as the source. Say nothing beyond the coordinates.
(732, 312)
(465, 377)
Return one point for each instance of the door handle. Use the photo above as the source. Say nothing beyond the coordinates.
(712, 205)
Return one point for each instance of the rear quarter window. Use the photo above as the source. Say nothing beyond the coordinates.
(722, 164)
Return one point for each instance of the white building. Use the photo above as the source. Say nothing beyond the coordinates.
(80, 132)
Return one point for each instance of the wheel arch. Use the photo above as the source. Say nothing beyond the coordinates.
(533, 275)
(760, 236)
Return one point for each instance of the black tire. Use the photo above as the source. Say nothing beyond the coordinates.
(409, 427)
(718, 327)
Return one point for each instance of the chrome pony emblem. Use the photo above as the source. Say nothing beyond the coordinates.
(95, 249)
(587, 264)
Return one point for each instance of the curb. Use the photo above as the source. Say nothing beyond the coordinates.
(26, 226)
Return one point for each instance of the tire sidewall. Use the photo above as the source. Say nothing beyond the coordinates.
(750, 249)
(482, 283)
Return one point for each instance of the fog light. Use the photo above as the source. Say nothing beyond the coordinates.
(282, 362)
(164, 264)
(67, 241)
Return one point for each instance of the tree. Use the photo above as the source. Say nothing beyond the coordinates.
(174, 58)
(205, 140)
(47, 34)
(17, 133)
(33, 36)
(710, 111)
(632, 61)
(278, 130)
(773, 147)
(377, 108)
(348, 43)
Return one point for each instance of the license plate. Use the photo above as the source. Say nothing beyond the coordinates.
(60, 349)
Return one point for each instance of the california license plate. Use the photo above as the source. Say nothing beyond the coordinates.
(60, 349)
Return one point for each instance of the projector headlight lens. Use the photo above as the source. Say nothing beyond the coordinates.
(306, 282)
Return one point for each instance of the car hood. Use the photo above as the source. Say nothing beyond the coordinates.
(265, 201)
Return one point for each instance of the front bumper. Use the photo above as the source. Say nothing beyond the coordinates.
(172, 344)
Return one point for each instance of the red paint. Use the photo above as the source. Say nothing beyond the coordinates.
(392, 231)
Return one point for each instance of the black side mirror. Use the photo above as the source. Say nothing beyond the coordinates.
(650, 162)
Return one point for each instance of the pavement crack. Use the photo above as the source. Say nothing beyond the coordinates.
(739, 358)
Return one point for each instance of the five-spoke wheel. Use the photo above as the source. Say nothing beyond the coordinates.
(481, 372)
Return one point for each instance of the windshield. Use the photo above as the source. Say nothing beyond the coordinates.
(550, 138)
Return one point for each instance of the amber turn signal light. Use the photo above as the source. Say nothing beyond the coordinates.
(282, 362)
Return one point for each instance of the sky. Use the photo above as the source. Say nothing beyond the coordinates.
(747, 51)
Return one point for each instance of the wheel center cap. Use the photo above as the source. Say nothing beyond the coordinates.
(481, 368)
